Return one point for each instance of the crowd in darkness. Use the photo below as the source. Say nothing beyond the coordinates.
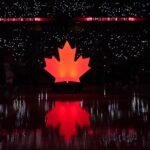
(30, 8)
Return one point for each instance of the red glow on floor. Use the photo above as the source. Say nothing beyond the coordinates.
(67, 69)
(36, 19)
(68, 115)
(111, 19)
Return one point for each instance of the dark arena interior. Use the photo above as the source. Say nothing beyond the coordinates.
(52, 96)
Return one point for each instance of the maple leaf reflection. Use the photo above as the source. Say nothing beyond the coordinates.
(67, 115)
(67, 69)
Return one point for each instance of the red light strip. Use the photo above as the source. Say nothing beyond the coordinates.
(109, 19)
(84, 19)
(37, 19)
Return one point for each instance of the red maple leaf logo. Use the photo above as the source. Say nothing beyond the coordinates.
(67, 115)
(67, 69)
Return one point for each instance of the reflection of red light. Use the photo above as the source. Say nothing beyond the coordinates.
(67, 115)
(67, 69)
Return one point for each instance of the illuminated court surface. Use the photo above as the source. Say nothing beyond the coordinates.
(44, 120)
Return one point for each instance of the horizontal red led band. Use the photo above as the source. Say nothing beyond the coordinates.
(107, 19)
(36, 19)
(90, 19)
